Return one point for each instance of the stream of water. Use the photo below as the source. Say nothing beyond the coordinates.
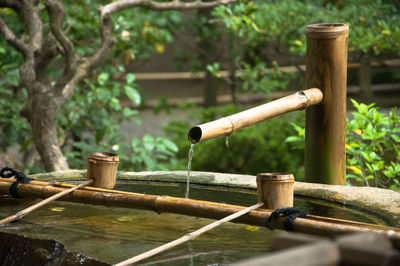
(189, 169)
(227, 142)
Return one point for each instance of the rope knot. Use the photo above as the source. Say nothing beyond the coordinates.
(291, 213)
(20, 177)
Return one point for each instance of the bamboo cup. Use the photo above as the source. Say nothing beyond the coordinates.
(102, 167)
(275, 190)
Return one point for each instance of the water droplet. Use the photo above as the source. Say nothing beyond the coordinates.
(227, 142)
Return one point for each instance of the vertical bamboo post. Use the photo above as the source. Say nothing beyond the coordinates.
(275, 190)
(102, 167)
(326, 69)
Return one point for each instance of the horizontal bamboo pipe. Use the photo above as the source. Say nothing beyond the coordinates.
(312, 225)
(107, 191)
(30, 209)
(227, 125)
(64, 185)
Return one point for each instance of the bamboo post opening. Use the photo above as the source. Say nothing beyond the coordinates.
(326, 69)
(102, 167)
(275, 190)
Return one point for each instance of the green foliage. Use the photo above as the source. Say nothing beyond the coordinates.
(279, 26)
(214, 69)
(371, 22)
(152, 154)
(259, 148)
(246, 22)
(14, 129)
(92, 120)
(372, 146)
(259, 78)
(138, 32)
(375, 28)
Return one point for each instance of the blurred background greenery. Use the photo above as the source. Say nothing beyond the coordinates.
(238, 55)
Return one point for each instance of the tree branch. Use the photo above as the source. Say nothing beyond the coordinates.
(107, 41)
(97, 59)
(29, 15)
(13, 40)
(48, 51)
(173, 5)
(26, 70)
(56, 13)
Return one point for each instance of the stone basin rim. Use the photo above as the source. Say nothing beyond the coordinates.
(381, 202)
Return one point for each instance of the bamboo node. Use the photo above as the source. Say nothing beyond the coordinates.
(232, 126)
(308, 101)
(45, 190)
(155, 205)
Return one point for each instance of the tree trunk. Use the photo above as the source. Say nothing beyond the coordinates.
(44, 108)
(210, 90)
(233, 81)
(365, 79)
(209, 46)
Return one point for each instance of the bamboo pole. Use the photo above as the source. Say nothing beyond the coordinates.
(40, 189)
(189, 236)
(313, 225)
(64, 185)
(118, 192)
(326, 61)
(227, 125)
(30, 209)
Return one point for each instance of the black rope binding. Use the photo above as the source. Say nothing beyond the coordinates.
(292, 213)
(8, 172)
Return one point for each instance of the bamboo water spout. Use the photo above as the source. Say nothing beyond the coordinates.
(227, 125)
(326, 69)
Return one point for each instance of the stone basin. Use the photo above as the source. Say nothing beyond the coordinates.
(383, 204)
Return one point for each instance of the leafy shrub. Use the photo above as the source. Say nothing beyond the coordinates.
(372, 147)
(92, 120)
(256, 149)
(284, 22)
